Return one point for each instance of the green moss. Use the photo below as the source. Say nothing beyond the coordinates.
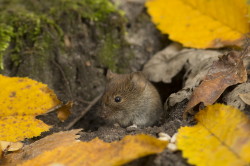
(5, 38)
(27, 30)
(114, 53)
(108, 52)
(32, 27)
(95, 10)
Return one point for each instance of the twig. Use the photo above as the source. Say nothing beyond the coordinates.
(83, 101)
(91, 104)
(64, 78)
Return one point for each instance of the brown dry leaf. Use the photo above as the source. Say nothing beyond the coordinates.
(50, 142)
(245, 97)
(10, 146)
(98, 153)
(233, 98)
(64, 112)
(227, 71)
(166, 64)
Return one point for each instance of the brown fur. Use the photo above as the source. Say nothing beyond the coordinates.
(140, 104)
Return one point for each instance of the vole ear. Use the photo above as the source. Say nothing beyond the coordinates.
(110, 75)
(139, 79)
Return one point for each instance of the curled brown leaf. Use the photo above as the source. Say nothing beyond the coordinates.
(228, 70)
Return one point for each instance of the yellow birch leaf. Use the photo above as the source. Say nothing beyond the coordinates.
(21, 99)
(99, 153)
(201, 23)
(221, 137)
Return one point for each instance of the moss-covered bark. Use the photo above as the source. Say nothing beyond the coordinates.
(63, 43)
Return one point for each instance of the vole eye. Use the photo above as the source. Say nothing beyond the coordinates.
(118, 99)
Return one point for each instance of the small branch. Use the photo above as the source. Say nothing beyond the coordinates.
(64, 78)
(91, 104)
(83, 101)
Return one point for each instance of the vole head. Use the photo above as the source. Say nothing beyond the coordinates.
(122, 94)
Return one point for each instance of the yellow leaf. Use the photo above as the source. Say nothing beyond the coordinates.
(63, 138)
(201, 23)
(221, 137)
(21, 99)
(99, 153)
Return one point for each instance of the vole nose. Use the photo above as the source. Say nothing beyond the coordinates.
(104, 105)
(103, 114)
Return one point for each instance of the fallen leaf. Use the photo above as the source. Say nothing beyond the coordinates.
(97, 152)
(64, 112)
(245, 97)
(22, 99)
(10, 146)
(227, 71)
(201, 23)
(233, 98)
(220, 137)
(61, 139)
(166, 64)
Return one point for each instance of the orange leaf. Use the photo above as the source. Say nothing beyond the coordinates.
(64, 111)
(51, 142)
(97, 152)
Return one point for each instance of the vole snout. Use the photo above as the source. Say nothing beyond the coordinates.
(104, 111)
